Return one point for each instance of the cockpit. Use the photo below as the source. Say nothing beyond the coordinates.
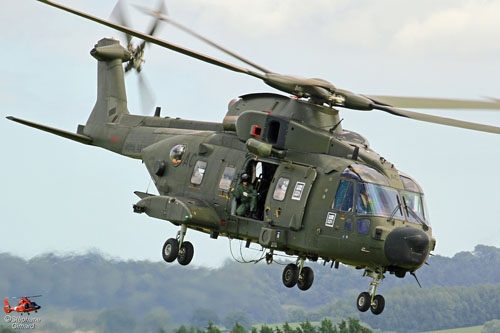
(366, 192)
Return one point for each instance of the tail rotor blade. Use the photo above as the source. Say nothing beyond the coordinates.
(146, 95)
(119, 14)
(162, 10)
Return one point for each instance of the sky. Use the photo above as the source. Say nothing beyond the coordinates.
(63, 197)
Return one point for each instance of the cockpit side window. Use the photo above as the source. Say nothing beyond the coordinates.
(344, 199)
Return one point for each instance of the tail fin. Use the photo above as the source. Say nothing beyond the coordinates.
(111, 96)
(111, 101)
(6, 308)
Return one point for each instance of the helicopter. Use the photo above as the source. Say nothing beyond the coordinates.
(322, 193)
(25, 305)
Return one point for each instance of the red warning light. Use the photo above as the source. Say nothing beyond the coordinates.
(257, 131)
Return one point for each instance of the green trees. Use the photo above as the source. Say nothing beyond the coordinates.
(491, 327)
(239, 318)
(326, 326)
(201, 316)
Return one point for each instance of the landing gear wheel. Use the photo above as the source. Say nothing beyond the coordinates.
(306, 278)
(363, 302)
(170, 250)
(378, 304)
(290, 275)
(400, 274)
(186, 252)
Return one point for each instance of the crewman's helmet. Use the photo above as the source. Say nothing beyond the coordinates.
(244, 177)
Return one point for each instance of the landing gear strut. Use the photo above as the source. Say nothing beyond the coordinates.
(297, 274)
(177, 248)
(369, 300)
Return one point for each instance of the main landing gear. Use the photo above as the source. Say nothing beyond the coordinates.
(297, 274)
(369, 300)
(177, 248)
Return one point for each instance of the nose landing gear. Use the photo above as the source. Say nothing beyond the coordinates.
(295, 274)
(369, 300)
(177, 248)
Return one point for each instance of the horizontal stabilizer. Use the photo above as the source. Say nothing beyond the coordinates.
(143, 195)
(178, 210)
(65, 134)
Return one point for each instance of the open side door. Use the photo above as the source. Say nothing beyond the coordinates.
(287, 196)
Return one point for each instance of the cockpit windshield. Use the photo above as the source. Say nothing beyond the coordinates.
(375, 196)
(373, 199)
(414, 201)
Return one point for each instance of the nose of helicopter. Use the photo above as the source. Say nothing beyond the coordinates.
(407, 247)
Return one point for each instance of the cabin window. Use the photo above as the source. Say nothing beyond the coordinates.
(280, 190)
(176, 154)
(198, 172)
(363, 226)
(348, 225)
(227, 178)
(344, 199)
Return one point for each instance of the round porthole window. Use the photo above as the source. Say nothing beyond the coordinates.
(176, 154)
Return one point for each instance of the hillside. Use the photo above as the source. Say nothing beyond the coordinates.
(463, 290)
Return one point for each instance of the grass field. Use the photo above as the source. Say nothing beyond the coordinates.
(473, 329)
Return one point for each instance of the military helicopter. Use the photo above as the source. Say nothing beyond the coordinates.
(318, 191)
(25, 305)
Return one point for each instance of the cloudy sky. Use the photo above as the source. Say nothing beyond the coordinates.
(60, 196)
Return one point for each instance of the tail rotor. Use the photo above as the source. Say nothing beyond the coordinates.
(137, 60)
(6, 308)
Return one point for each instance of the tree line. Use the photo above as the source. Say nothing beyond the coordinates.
(460, 291)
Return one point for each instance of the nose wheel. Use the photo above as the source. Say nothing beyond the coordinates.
(177, 248)
(369, 300)
(294, 274)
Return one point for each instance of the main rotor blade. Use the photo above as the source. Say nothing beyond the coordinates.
(434, 103)
(176, 24)
(158, 41)
(438, 120)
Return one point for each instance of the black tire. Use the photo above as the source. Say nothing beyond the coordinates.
(400, 274)
(186, 253)
(363, 302)
(290, 275)
(170, 249)
(306, 278)
(378, 304)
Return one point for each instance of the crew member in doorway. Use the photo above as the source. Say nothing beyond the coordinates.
(247, 197)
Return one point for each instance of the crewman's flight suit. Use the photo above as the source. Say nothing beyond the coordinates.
(247, 196)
